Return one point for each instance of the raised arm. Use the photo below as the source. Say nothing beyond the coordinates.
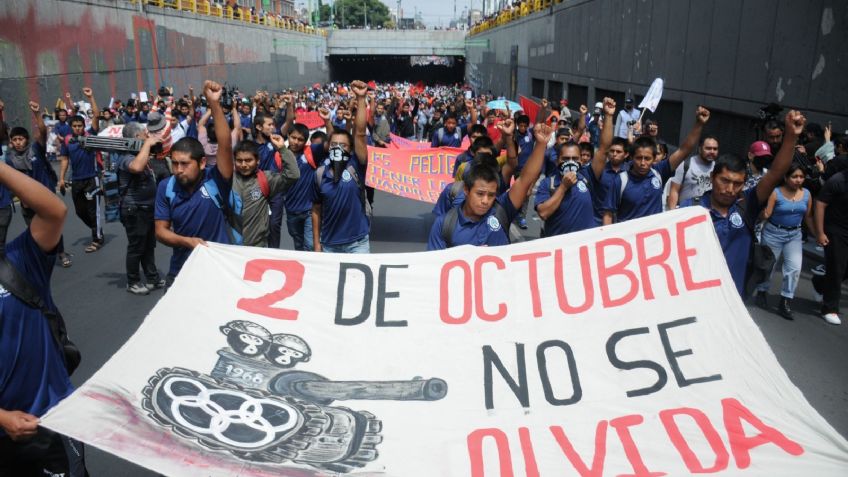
(284, 131)
(50, 211)
(469, 104)
(507, 129)
(581, 121)
(40, 135)
(360, 144)
(95, 123)
(224, 157)
(531, 171)
(600, 159)
(795, 122)
(140, 161)
(702, 115)
(324, 113)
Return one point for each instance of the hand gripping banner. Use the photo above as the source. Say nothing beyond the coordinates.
(623, 350)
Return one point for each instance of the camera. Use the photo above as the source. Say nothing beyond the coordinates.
(227, 97)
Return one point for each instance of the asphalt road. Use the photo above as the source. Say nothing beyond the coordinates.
(101, 315)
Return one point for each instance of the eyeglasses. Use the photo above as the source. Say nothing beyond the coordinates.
(342, 145)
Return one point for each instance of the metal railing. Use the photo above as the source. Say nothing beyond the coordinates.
(507, 15)
(238, 14)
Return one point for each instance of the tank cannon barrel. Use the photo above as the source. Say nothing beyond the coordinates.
(316, 388)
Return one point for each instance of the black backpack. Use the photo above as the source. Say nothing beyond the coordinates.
(17, 285)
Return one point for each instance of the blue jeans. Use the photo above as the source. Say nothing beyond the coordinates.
(300, 229)
(359, 246)
(788, 244)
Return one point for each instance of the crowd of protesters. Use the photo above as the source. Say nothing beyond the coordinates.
(228, 167)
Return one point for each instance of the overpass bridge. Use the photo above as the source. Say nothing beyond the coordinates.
(396, 42)
(432, 56)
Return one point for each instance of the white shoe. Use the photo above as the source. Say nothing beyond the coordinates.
(832, 318)
(818, 270)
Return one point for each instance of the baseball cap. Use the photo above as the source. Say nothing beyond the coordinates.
(760, 148)
(563, 132)
(599, 106)
(155, 122)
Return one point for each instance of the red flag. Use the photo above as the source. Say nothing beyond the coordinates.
(530, 107)
(372, 84)
(310, 119)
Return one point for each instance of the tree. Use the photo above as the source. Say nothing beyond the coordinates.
(352, 13)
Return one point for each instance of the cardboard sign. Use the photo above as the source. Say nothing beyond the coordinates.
(419, 174)
(622, 350)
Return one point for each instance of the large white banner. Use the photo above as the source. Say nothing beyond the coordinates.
(623, 350)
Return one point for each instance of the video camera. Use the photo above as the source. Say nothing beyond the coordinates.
(228, 96)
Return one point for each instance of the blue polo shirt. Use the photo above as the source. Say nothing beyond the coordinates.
(449, 139)
(33, 377)
(488, 231)
(246, 122)
(41, 170)
(266, 157)
(83, 162)
(5, 197)
(193, 214)
(550, 168)
(642, 195)
(524, 143)
(733, 234)
(600, 188)
(343, 218)
(300, 195)
(575, 212)
(62, 129)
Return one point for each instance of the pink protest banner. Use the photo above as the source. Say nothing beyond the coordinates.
(415, 174)
(310, 119)
(398, 142)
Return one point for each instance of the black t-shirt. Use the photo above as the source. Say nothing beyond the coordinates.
(834, 193)
(135, 188)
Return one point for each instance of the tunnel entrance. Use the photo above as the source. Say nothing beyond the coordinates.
(391, 68)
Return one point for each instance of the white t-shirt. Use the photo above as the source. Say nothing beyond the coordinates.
(697, 180)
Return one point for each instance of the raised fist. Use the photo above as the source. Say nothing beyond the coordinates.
(212, 91)
(702, 115)
(583, 109)
(87, 92)
(609, 106)
(278, 141)
(542, 132)
(359, 88)
(506, 127)
(795, 122)
(324, 113)
(34, 107)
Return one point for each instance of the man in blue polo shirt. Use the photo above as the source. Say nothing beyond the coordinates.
(450, 135)
(189, 209)
(33, 372)
(85, 174)
(734, 211)
(638, 191)
(564, 200)
(484, 217)
(340, 222)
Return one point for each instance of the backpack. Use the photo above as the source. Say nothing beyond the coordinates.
(19, 286)
(231, 214)
(366, 206)
(625, 178)
(452, 216)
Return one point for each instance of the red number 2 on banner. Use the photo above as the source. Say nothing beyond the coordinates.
(255, 269)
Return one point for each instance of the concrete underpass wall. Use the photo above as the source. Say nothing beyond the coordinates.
(732, 56)
(48, 47)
